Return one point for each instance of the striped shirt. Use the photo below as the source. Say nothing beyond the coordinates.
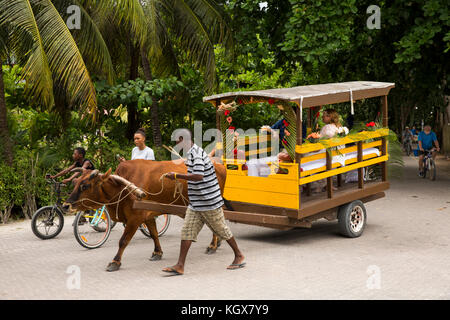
(203, 195)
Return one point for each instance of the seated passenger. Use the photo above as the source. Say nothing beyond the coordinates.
(331, 128)
(332, 124)
(282, 125)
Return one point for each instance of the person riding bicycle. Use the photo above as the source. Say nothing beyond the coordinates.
(407, 137)
(426, 139)
(407, 134)
(80, 162)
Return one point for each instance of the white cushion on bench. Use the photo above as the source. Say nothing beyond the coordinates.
(260, 168)
(338, 159)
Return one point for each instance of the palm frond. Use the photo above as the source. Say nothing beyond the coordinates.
(90, 40)
(126, 11)
(216, 20)
(3, 39)
(65, 59)
(200, 24)
(25, 40)
(194, 37)
(158, 44)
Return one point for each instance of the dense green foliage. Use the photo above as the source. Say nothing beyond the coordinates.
(277, 43)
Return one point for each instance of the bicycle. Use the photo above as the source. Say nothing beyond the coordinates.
(407, 146)
(92, 228)
(85, 222)
(429, 165)
(162, 224)
(48, 221)
(50, 218)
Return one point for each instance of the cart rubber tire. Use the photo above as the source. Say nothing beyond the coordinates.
(36, 216)
(352, 218)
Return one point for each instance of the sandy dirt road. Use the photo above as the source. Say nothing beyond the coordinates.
(404, 253)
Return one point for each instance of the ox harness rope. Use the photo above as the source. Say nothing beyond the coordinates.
(132, 188)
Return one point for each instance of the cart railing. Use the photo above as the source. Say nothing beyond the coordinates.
(335, 156)
(253, 146)
(323, 160)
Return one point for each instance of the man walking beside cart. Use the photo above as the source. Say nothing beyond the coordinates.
(205, 204)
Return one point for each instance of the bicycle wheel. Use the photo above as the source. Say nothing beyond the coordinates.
(83, 228)
(432, 170)
(162, 224)
(408, 149)
(425, 168)
(47, 222)
(101, 228)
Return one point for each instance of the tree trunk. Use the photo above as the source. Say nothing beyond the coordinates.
(156, 128)
(4, 131)
(133, 119)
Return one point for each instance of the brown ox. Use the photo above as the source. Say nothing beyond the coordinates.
(144, 174)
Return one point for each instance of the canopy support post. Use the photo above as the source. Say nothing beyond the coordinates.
(384, 110)
(217, 115)
(329, 160)
(360, 170)
(298, 156)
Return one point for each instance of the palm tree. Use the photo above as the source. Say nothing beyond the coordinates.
(52, 56)
(35, 33)
(148, 35)
(4, 132)
(196, 26)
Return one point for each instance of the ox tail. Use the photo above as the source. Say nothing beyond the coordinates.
(228, 204)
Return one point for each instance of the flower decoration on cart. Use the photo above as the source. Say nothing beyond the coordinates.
(342, 131)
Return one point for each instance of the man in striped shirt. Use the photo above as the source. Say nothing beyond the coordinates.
(205, 204)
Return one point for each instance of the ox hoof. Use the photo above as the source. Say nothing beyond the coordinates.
(113, 266)
(156, 257)
(210, 250)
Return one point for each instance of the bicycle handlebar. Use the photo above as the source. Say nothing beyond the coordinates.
(53, 181)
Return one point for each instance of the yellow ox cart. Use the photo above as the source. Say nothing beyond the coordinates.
(277, 200)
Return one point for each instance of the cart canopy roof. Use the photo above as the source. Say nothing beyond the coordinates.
(308, 96)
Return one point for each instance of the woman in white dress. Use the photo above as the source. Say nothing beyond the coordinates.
(331, 128)
(332, 124)
(141, 151)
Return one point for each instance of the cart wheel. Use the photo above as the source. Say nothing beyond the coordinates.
(352, 219)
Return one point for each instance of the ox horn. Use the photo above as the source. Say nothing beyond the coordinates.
(93, 174)
(129, 185)
(80, 170)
